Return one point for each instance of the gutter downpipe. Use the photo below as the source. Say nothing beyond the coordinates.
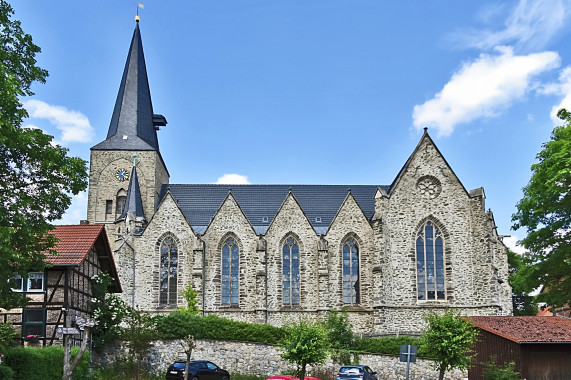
(266, 276)
(203, 274)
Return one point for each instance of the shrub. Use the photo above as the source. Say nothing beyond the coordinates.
(36, 363)
(7, 334)
(180, 324)
(493, 371)
(6, 373)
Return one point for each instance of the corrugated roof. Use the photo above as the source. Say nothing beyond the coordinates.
(527, 329)
(75, 242)
(260, 203)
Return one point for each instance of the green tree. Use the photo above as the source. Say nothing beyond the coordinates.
(138, 335)
(108, 312)
(523, 303)
(190, 295)
(545, 213)
(35, 176)
(305, 344)
(448, 340)
(341, 337)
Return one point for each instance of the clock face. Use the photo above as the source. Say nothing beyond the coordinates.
(122, 175)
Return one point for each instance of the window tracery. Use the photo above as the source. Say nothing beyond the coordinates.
(168, 272)
(351, 283)
(290, 272)
(430, 263)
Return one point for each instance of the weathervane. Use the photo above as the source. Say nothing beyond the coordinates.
(139, 5)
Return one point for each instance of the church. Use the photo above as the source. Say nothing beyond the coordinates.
(387, 254)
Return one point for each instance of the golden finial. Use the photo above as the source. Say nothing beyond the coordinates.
(137, 18)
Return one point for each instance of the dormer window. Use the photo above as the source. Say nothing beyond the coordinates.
(318, 219)
(265, 219)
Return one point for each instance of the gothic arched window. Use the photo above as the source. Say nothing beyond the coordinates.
(290, 272)
(430, 263)
(351, 291)
(168, 272)
(230, 272)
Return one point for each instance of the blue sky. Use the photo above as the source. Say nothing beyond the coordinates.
(322, 91)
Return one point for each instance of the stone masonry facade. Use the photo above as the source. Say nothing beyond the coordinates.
(426, 190)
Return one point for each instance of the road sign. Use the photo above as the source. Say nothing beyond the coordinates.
(67, 331)
(406, 351)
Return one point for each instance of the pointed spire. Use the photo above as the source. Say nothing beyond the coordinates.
(134, 201)
(133, 125)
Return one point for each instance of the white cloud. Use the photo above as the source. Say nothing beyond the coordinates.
(563, 89)
(512, 243)
(233, 179)
(76, 211)
(74, 125)
(530, 25)
(482, 88)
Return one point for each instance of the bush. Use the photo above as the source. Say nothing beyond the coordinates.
(493, 371)
(36, 363)
(7, 335)
(180, 324)
(239, 376)
(6, 372)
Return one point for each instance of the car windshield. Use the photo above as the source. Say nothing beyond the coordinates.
(350, 370)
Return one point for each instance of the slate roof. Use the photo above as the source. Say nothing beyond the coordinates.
(133, 113)
(199, 202)
(134, 202)
(75, 242)
(527, 329)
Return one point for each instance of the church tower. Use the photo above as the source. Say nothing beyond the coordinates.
(132, 131)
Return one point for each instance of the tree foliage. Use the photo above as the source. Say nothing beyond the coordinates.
(545, 213)
(109, 311)
(341, 337)
(305, 344)
(449, 339)
(36, 177)
(523, 303)
(190, 295)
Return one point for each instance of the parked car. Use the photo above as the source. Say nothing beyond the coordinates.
(197, 370)
(290, 377)
(356, 372)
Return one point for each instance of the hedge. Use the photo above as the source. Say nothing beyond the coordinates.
(40, 363)
(180, 324)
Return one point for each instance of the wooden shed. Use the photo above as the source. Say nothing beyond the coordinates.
(540, 347)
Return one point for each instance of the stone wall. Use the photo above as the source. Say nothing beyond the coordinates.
(264, 360)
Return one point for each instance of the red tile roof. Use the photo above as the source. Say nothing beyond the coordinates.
(527, 329)
(75, 242)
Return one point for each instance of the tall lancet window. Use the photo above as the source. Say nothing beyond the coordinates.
(168, 272)
(351, 291)
(430, 263)
(230, 272)
(290, 272)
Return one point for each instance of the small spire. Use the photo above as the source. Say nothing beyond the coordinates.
(134, 159)
(425, 130)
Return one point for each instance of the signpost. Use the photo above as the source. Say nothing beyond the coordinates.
(67, 331)
(408, 355)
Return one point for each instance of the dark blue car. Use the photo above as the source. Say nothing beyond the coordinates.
(356, 372)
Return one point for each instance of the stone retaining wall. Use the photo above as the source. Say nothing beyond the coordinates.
(264, 360)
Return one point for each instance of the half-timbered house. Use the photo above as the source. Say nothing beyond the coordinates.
(62, 292)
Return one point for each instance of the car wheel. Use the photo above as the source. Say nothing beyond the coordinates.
(195, 378)
(224, 378)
